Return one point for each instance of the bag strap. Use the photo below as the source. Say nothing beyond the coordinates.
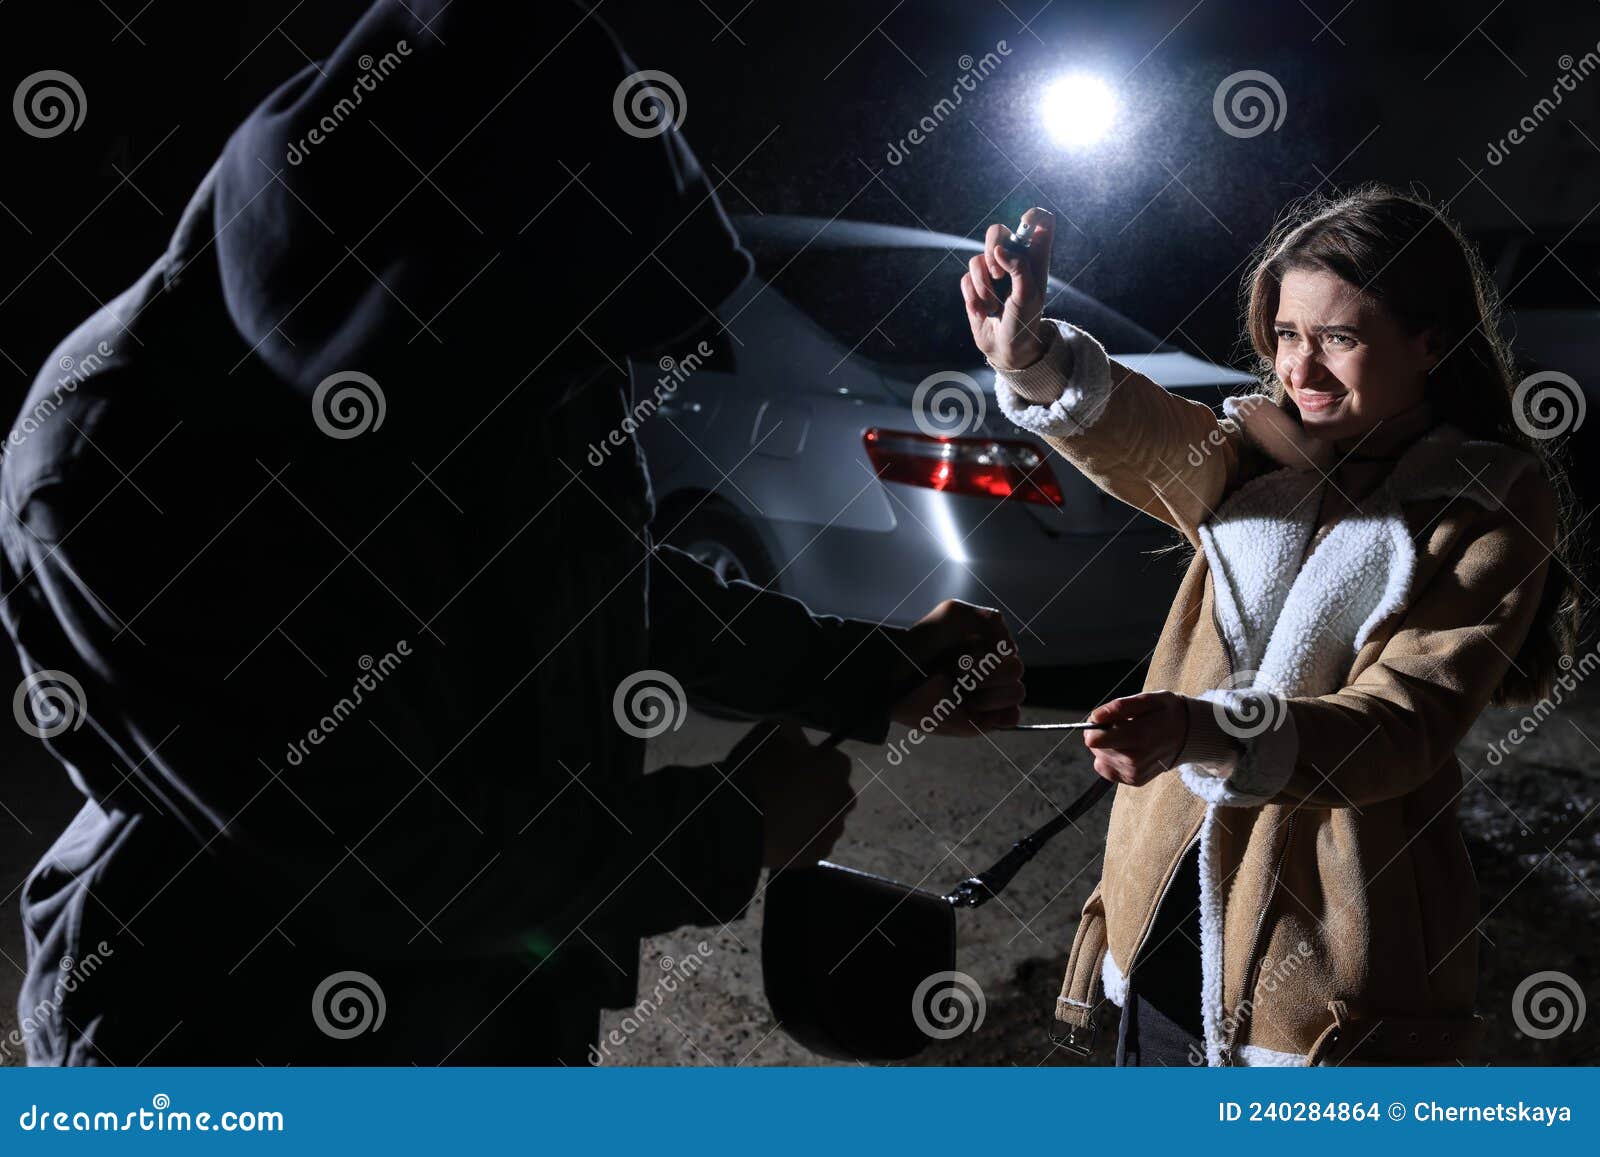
(978, 890)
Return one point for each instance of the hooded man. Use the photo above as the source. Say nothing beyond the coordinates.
(347, 644)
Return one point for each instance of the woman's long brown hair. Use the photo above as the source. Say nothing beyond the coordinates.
(1412, 261)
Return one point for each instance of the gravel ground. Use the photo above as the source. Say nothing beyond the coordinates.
(1530, 824)
(954, 806)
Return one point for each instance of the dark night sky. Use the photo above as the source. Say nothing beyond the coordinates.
(793, 107)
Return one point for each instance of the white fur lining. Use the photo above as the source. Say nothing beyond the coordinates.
(1212, 1014)
(1080, 366)
(1211, 911)
(1113, 980)
(1253, 546)
(1261, 722)
(1258, 1057)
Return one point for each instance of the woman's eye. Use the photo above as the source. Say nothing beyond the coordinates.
(1286, 335)
(1342, 339)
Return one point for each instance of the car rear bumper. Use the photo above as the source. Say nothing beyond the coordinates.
(1070, 597)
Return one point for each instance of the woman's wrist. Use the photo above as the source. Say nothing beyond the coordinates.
(1031, 346)
(1040, 379)
(1207, 742)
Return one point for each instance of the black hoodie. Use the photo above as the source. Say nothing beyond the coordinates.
(314, 535)
(446, 141)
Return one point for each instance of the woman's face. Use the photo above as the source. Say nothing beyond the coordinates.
(1345, 362)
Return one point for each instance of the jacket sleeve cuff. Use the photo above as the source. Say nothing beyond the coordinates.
(1207, 742)
(1065, 391)
(1244, 754)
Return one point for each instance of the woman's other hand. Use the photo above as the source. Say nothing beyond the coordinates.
(1145, 734)
(1009, 333)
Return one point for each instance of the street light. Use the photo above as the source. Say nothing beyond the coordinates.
(1078, 110)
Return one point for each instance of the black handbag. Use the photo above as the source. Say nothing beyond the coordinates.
(861, 967)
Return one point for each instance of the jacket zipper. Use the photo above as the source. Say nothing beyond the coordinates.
(1172, 871)
(1253, 967)
(1253, 963)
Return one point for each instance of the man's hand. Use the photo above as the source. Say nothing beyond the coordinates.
(803, 792)
(1146, 733)
(973, 675)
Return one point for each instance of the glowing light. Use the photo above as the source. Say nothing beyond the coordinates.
(1078, 110)
(944, 527)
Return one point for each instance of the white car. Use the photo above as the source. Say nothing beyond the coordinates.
(794, 457)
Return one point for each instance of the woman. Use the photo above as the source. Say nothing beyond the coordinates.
(1379, 554)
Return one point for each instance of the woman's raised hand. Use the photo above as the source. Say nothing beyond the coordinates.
(1009, 333)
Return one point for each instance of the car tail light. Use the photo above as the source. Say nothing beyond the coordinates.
(987, 467)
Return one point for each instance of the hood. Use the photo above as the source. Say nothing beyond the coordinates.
(463, 179)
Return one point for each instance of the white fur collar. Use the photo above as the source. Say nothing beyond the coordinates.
(1296, 628)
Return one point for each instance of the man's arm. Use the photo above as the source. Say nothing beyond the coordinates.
(765, 655)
